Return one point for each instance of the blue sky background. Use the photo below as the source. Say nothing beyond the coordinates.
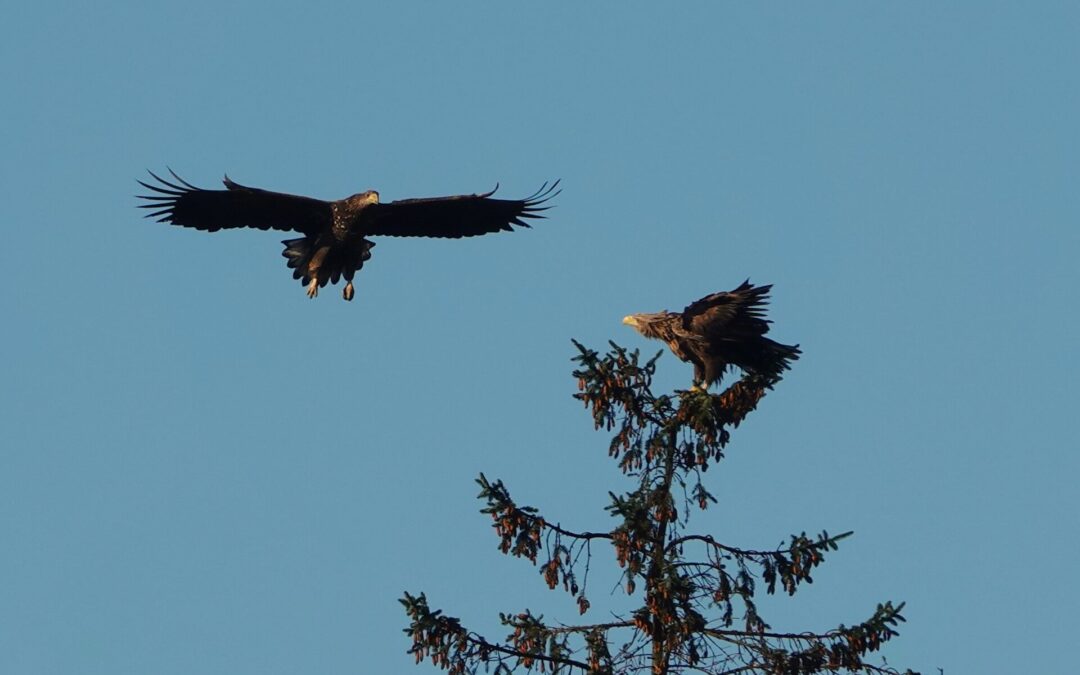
(205, 472)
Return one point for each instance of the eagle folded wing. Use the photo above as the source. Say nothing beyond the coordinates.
(739, 311)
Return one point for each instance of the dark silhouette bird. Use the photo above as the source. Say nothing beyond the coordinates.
(721, 330)
(335, 242)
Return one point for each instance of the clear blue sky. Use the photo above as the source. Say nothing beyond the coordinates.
(205, 472)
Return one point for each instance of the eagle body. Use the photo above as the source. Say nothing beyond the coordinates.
(719, 331)
(335, 242)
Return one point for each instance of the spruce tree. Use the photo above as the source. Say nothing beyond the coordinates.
(698, 611)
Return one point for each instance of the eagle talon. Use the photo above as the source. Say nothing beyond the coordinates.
(348, 292)
(313, 289)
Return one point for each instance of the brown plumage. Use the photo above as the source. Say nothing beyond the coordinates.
(335, 241)
(721, 330)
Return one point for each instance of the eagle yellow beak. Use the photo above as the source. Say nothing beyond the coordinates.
(629, 321)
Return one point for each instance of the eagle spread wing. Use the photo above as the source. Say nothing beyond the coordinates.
(456, 216)
(181, 203)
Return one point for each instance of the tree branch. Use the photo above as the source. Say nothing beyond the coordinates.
(708, 539)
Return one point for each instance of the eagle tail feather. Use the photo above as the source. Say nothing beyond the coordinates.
(337, 263)
(778, 357)
(299, 252)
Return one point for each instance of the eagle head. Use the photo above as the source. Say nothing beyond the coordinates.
(363, 199)
(651, 325)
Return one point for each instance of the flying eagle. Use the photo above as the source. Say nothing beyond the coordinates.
(720, 330)
(335, 242)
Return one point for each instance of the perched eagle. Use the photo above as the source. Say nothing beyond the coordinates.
(720, 330)
(335, 242)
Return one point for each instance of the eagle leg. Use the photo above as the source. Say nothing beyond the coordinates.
(315, 271)
(348, 291)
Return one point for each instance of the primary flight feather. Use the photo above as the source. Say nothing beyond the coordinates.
(335, 242)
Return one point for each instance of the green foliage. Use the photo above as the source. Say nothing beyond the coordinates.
(697, 594)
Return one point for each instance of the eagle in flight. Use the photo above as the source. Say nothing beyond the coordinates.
(335, 242)
(721, 330)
